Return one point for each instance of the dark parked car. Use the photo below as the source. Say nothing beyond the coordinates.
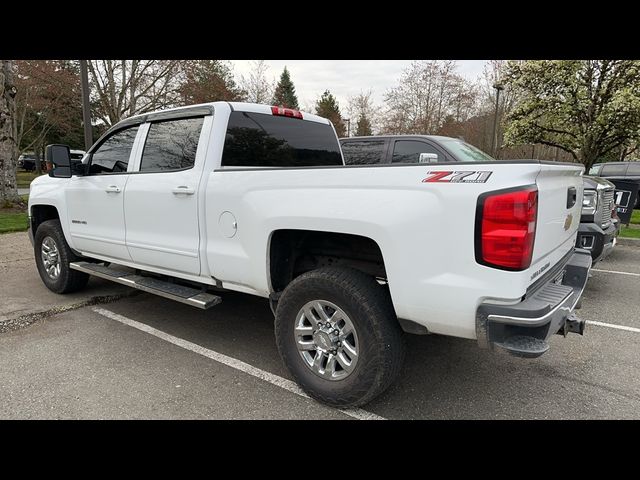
(409, 149)
(599, 225)
(626, 171)
(27, 161)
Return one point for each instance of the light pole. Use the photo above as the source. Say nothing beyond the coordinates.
(348, 120)
(86, 109)
(494, 139)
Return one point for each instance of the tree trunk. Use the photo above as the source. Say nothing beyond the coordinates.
(587, 157)
(36, 151)
(8, 181)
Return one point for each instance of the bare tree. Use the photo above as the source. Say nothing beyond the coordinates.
(259, 89)
(363, 106)
(493, 74)
(430, 93)
(122, 88)
(8, 181)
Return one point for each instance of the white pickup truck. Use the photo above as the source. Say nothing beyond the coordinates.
(189, 202)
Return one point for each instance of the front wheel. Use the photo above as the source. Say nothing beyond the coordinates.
(53, 256)
(338, 335)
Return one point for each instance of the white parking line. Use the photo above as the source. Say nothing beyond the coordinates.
(619, 273)
(611, 325)
(276, 380)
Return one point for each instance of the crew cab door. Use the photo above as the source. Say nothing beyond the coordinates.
(95, 200)
(408, 150)
(161, 201)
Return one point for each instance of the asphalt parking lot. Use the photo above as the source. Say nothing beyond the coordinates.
(114, 354)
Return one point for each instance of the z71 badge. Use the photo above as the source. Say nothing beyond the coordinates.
(457, 177)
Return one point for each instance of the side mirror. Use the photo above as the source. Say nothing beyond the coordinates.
(428, 158)
(60, 157)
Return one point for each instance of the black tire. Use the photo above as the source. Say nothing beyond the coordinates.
(369, 307)
(68, 280)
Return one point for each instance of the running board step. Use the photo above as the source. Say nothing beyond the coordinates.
(524, 346)
(179, 293)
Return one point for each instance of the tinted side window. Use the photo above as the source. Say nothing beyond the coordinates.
(634, 169)
(113, 155)
(363, 153)
(262, 140)
(408, 151)
(171, 145)
(610, 170)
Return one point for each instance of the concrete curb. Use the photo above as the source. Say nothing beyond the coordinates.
(629, 242)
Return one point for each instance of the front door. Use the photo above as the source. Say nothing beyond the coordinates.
(95, 201)
(161, 200)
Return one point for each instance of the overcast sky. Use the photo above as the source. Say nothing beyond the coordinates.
(345, 77)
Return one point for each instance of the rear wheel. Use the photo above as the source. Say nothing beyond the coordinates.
(53, 256)
(338, 335)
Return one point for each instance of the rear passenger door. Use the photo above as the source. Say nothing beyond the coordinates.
(364, 152)
(161, 198)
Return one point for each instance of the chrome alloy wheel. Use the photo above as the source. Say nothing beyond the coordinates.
(326, 339)
(50, 257)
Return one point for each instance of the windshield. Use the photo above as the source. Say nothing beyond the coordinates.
(465, 152)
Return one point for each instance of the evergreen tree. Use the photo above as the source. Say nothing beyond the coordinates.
(327, 107)
(285, 92)
(364, 127)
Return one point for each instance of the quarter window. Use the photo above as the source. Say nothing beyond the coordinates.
(408, 151)
(113, 155)
(171, 145)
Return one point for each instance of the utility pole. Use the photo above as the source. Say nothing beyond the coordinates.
(494, 138)
(348, 120)
(86, 108)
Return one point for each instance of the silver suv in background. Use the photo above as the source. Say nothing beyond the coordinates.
(599, 224)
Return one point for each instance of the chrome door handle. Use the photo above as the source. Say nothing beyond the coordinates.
(112, 188)
(183, 189)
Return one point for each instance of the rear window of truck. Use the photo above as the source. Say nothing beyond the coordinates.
(262, 140)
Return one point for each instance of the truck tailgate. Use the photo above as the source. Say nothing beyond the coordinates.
(559, 206)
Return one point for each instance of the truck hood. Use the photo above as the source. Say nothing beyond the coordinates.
(595, 183)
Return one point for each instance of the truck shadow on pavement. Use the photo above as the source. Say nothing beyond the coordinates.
(442, 378)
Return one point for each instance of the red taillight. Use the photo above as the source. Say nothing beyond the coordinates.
(286, 112)
(506, 228)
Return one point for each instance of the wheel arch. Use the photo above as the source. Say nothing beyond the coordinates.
(40, 212)
(292, 252)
